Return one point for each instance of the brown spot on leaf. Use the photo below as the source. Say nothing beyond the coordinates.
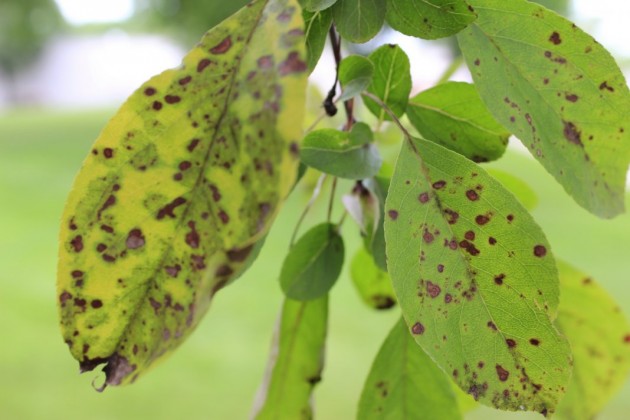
(77, 243)
(239, 255)
(157, 105)
(135, 239)
(438, 185)
(108, 153)
(470, 235)
(222, 47)
(511, 343)
(452, 216)
(169, 209)
(572, 134)
(502, 373)
(293, 64)
(555, 38)
(150, 91)
(173, 271)
(117, 369)
(185, 80)
(172, 99)
(417, 329)
(433, 289)
(203, 63)
(393, 214)
(192, 237)
(605, 86)
(540, 251)
(265, 62)
(224, 271)
(64, 297)
(472, 195)
(534, 341)
(482, 219)
(424, 197)
(499, 279)
(96, 303)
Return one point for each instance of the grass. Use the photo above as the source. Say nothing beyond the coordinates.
(215, 374)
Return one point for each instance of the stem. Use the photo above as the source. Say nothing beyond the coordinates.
(332, 198)
(451, 69)
(335, 42)
(389, 112)
(309, 205)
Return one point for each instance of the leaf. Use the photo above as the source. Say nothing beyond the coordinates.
(364, 207)
(557, 90)
(429, 19)
(523, 192)
(392, 81)
(344, 154)
(378, 187)
(316, 5)
(373, 284)
(179, 188)
(355, 75)
(313, 264)
(475, 279)
(359, 20)
(560, 6)
(599, 335)
(317, 25)
(404, 383)
(453, 115)
(296, 362)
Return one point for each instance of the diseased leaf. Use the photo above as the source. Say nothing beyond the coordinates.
(296, 362)
(453, 115)
(559, 91)
(391, 82)
(475, 279)
(179, 188)
(316, 5)
(599, 335)
(359, 20)
(317, 25)
(404, 383)
(516, 186)
(314, 263)
(372, 283)
(429, 19)
(355, 75)
(344, 154)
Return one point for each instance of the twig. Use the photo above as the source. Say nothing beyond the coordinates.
(316, 191)
(333, 190)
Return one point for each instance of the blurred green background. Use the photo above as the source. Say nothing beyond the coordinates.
(215, 374)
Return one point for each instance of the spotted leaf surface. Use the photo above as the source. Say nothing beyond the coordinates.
(296, 363)
(453, 115)
(599, 334)
(557, 90)
(179, 188)
(475, 278)
(404, 383)
(429, 19)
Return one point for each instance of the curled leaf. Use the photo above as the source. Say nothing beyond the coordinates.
(179, 190)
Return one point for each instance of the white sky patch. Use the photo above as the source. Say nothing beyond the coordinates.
(82, 12)
(607, 21)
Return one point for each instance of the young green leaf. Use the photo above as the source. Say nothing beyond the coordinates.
(296, 363)
(317, 25)
(404, 383)
(391, 82)
(453, 115)
(313, 265)
(316, 5)
(359, 20)
(355, 75)
(559, 91)
(599, 335)
(429, 19)
(344, 154)
(372, 283)
(179, 188)
(523, 192)
(475, 278)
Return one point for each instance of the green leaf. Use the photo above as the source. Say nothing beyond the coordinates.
(317, 25)
(296, 363)
(599, 335)
(179, 188)
(429, 19)
(364, 207)
(378, 187)
(475, 279)
(559, 91)
(359, 20)
(560, 6)
(316, 5)
(313, 264)
(523, 192)
(355, 75)
(344, 154)
(404, 383)
(453, 115)
(391, 83)
(372, 283)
